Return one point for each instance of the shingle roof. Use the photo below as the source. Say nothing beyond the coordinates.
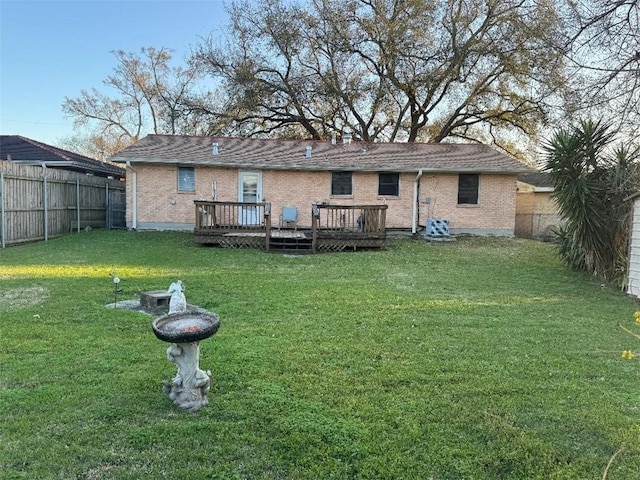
(537, 179)
(290, 155)
(25, 150)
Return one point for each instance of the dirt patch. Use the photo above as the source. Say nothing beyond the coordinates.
(15, 298)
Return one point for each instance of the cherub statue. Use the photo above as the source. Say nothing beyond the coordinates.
(177, 302)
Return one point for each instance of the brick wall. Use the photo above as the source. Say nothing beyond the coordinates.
(495, 209)
(159, 201)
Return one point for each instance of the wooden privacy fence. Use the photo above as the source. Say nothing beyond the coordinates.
(37, 203)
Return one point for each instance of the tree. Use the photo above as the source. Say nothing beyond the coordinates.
(591, 180)
(603, 39)
(387, 69)
(146, 95)
(93, 145)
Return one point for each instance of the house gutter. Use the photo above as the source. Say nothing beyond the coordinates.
(134, 196)
(414, 219)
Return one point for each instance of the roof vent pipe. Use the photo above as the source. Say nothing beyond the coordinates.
(307, 151)
(346, 139)
(333, 138)
(214, 148)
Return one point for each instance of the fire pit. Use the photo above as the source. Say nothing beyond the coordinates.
(190, 386)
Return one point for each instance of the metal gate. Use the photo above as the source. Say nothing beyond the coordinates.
(116, 209)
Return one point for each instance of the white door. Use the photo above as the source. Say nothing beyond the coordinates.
(249, 191)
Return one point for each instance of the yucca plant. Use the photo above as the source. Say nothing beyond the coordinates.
(591, 180)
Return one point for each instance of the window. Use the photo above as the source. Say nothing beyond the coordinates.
(341, 183)
(388, 184)
(186, 179)
(468, 188)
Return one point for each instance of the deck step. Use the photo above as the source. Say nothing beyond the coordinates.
(290, 244)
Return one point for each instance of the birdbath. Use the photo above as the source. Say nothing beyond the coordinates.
(190, 386)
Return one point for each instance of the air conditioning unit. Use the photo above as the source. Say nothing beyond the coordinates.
(437, 228)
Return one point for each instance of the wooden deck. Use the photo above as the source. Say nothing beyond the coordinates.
(248, 225)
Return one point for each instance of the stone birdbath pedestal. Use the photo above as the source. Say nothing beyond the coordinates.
(190, 386)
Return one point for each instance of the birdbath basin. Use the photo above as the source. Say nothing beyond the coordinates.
(190, 386)
(185, 327)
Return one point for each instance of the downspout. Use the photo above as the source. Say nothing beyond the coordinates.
(134, 197)
(414, 220)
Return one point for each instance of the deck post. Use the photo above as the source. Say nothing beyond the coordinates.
(267, 225)
(315, 214)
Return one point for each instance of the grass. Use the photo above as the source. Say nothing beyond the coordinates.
(479, 359)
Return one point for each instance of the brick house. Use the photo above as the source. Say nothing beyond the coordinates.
(472, 186)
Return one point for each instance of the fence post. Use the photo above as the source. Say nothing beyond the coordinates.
(2, 218)
(107, 207)
(45, 220)
(78, 203)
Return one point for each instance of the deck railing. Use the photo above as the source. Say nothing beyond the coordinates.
(232, 215)
(350, 218)
(341, 226)
(224, 220)
(333, 227)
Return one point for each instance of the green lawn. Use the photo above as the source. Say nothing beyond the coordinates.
(478, 359)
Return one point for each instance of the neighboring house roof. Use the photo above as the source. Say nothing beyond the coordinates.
(633, 196)
(24, 150)
(537, 179)
(541, 181)
(292, 155)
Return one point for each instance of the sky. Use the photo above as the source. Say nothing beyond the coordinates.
(52, 49)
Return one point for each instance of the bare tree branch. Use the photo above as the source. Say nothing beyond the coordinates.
(386, 69)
